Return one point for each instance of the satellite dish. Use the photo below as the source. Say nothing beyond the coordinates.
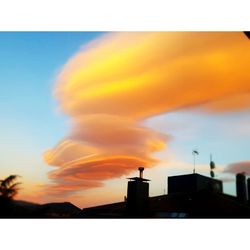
(195, 152)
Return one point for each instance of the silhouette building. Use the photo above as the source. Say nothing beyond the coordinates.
(241, 189)
(189, 196)
(193, 183)
(137, 195)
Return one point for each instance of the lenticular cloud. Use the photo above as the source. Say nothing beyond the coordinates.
(116, 82)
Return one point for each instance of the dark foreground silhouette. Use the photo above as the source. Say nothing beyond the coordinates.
(24, 209)
(10, 208)
(189, 196)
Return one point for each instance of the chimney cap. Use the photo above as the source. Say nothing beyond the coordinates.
(140, 178)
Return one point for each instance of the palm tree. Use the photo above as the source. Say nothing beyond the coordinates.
(9, 187)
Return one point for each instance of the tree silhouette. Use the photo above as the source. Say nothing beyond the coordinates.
(9, 187)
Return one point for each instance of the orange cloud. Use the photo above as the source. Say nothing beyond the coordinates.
(230, 104)
(238, 167)
(143, 74)
(84, 175)
(111, 85)
(113, 147)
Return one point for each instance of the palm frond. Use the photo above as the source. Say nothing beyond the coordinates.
(15, 185)
(8, 187)
(9, 180)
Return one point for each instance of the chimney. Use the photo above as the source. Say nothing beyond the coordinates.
(241, 190)
(141, 169)
(137, 195)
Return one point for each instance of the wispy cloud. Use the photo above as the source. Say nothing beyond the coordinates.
(238, 167)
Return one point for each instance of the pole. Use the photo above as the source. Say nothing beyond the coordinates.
(194, 164)
(194, 153)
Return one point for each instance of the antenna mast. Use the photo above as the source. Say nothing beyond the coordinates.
(195, 152)
(212, 166)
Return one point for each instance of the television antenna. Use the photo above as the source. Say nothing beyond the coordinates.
(194, 152)
(212, 166)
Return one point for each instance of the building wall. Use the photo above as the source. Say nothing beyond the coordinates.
(137, 197)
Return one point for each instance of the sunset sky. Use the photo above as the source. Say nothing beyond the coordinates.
(81, 111)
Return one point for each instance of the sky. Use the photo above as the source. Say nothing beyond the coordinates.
(81, 111)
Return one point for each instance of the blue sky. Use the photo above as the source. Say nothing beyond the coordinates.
(30, 123)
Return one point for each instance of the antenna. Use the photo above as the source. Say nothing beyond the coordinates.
(194, 152)
(212, 166)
